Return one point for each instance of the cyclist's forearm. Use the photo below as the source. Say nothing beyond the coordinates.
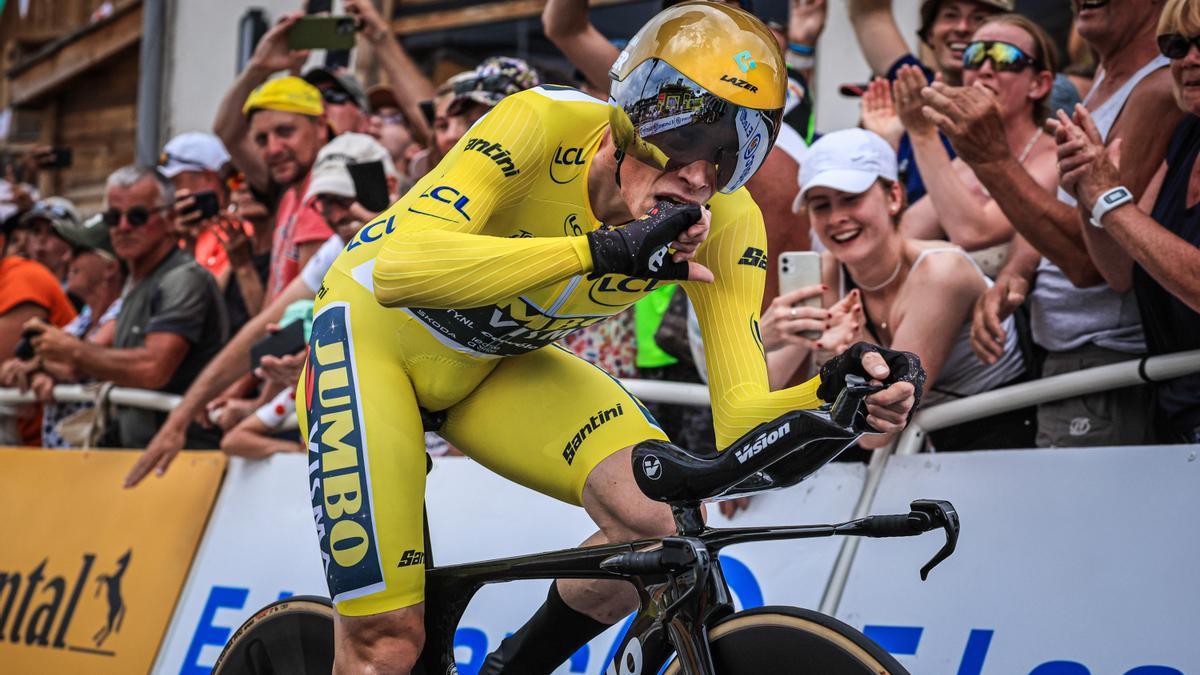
(445, 270)
(743, 407)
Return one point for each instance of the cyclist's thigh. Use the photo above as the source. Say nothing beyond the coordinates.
(366, 459)
(545, 419)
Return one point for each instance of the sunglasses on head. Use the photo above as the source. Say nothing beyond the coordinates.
(335, 96)
(1005, 57)
(1176, 45)
(136, 215)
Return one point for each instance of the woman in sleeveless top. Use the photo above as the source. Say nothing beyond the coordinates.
(899, 292)
(957, 207)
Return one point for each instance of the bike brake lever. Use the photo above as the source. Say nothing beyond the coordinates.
(849, 402)
(942, 514)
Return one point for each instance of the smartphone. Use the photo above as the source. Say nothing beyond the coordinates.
(370, 185)
(24, 347)
(205, 202)
(287, 340)
(798, 269)
(322, 32)
(58, 157)
(318, 6)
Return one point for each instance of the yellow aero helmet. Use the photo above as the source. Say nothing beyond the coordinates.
(700, 81)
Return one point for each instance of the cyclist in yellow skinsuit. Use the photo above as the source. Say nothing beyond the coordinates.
(451, 301)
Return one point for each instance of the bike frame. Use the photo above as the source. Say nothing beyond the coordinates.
(674, 607)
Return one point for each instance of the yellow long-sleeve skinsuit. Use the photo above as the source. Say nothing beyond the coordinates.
(452, 299)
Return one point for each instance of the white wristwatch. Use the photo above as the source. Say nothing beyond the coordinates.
(1109, 201)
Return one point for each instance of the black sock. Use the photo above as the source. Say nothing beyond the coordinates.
(549, 638)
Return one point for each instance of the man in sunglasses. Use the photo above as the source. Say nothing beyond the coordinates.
(172, 319)
(1075, 315)
(346, 105)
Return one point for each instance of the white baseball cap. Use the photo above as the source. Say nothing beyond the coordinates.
(193, 151)
(850, 160)
(329, 174)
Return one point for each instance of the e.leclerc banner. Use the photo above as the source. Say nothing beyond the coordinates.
(90, 572)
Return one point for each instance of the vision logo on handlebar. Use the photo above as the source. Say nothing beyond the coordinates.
(763, 442)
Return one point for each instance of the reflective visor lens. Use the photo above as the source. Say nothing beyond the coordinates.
(1004, 56)
(668, 121)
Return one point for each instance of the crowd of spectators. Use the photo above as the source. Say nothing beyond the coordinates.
(982, 215)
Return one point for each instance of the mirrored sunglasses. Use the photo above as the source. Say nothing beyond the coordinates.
(1005, 57)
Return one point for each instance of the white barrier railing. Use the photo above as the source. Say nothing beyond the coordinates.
(1092, 380)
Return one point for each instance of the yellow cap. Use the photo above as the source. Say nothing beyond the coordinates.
(721, 48)
(286, 94)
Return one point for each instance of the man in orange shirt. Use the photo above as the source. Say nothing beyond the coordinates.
(30, 292)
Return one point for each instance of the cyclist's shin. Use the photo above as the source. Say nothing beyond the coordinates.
(547, 640)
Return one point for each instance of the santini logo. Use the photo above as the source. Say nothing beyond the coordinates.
(498, 154)
(763, 442)
(592, 424)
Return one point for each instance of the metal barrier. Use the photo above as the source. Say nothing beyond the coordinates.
(1092, 380)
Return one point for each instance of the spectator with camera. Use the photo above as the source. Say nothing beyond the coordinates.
(172, 319)
(1077, 318)
(911, 295)
(97, 277)
(392, 129)
(1151, 245)
(334, 191)
(346, 106)
(273, 130)
(236, 250)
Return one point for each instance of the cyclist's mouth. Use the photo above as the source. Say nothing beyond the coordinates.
(673, 199)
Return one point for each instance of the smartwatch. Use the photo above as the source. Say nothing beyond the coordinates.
(1107, 202)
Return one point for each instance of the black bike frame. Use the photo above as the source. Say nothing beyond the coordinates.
(674, 608)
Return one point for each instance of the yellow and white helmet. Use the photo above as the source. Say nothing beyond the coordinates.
(700, 81)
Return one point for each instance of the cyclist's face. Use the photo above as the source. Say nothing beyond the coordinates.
(643, 186)
(854, 226)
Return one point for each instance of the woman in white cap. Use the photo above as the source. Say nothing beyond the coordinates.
(902, 293)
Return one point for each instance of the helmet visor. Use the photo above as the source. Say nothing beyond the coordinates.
(663, 118)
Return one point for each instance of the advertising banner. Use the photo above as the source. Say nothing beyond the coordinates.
(261, 545)
(1071, 562)
(89, 571)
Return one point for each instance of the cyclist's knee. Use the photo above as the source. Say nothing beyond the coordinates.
(614, 501)
(381, 643)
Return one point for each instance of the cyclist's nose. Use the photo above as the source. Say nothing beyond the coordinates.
(699, 175)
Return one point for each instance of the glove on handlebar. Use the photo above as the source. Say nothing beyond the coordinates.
(904, 367)
(639, 248)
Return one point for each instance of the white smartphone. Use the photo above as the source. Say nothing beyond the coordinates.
(798, 269)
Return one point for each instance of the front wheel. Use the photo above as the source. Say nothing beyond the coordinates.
(294, 636)
(761, 640)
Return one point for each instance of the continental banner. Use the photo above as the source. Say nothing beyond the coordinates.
(90, 572)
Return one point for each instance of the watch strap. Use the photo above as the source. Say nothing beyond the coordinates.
(1108, 201)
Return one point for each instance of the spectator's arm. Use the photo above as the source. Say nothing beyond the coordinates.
(147, 367)
(806, 22)
(948, 285)
(1171, 260)
(566, 24)
(971, 119)
(879, 37)
(404, 75)
(13, 322)
(252, 439)
(231, 363)
(230, 125)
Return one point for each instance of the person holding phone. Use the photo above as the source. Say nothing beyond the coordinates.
(904, 293)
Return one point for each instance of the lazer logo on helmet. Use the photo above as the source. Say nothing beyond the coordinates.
(745, 61)
(738, 82)
(763, 442)
(496, 152)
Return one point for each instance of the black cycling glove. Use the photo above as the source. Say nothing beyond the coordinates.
(639, 248)
(904, 367)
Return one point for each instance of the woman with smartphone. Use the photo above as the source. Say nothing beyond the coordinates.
(899, 292)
